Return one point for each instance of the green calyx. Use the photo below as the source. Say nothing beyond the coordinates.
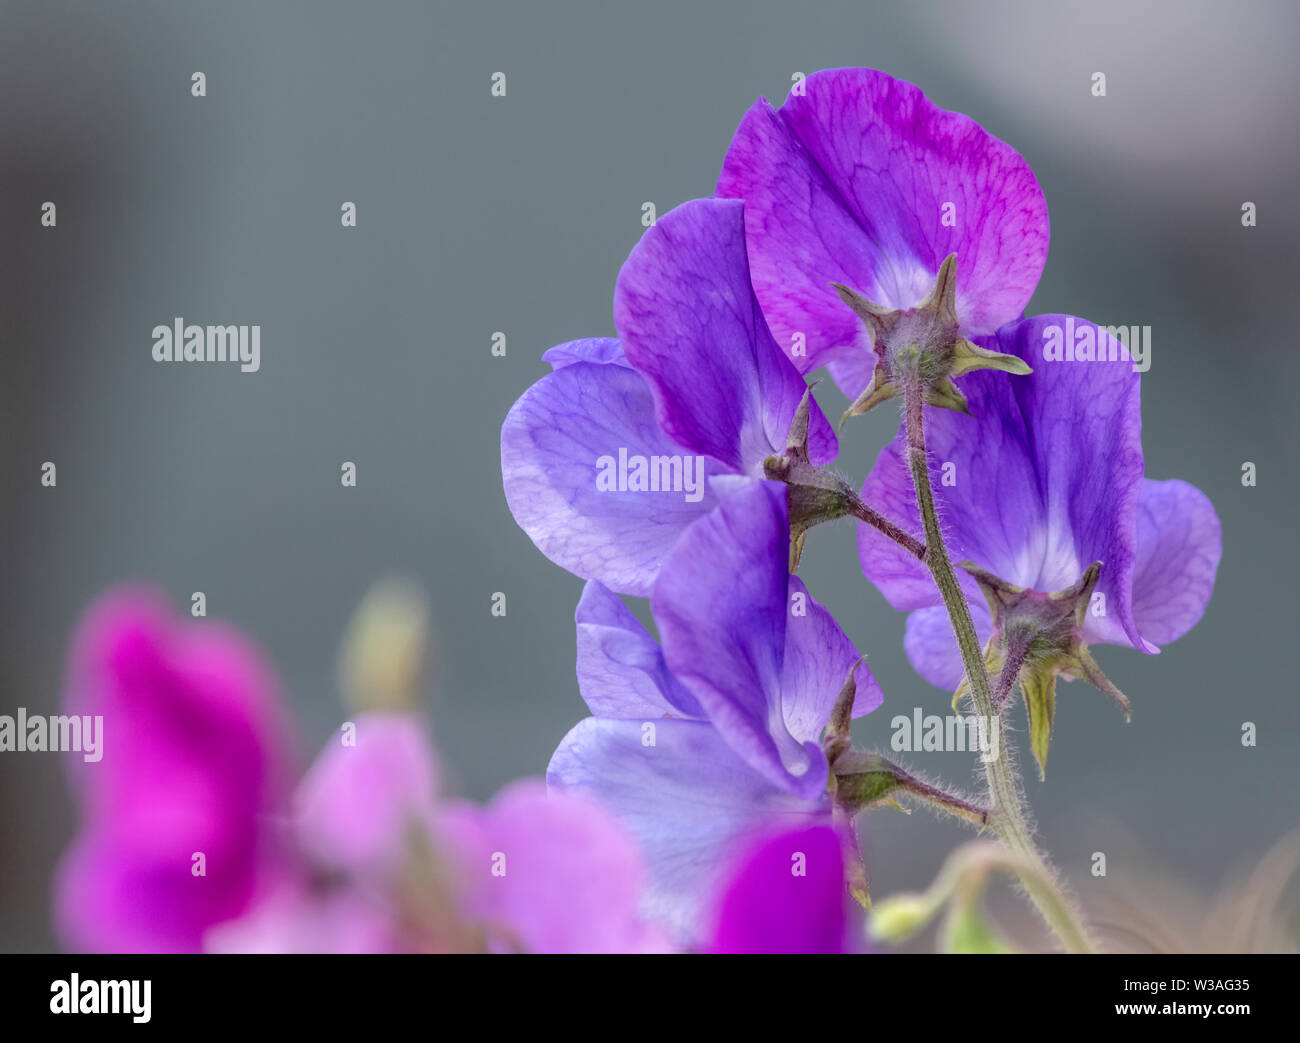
(1037, 638)
(926, 339)
(817, 494)
(860, 780)
(813, 494)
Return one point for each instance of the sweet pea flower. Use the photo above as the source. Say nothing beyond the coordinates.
(1043, 480)
(174, 819)
(859, 180)
(606, 460)
(701, 745)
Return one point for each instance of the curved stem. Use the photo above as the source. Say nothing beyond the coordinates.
(960, 880)
(1007, 814)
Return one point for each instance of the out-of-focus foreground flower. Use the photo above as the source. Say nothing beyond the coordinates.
(189, 838)
(786, 896)
(174, 832)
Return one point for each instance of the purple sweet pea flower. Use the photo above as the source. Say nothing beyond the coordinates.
(1044, 479)
(861, 180)
(706, 743)
(694, 387)
(173, 819)
(786, 895)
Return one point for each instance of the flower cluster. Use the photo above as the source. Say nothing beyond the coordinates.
(863, 229)
(711, 799)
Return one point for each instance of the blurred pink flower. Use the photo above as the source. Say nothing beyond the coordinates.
(178, 849)
(173, 831)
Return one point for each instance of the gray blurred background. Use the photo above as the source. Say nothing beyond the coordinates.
(478, 214)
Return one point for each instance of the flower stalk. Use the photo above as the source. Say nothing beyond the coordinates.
(1007, 815)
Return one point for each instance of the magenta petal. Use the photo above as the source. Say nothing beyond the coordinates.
(863, 180)
(691, 802)
(115, 894)
(721, 603)
(552, 443)
(193, 764)
(621, 669)
(374, 782)
(818, 656)
(786, 896)
(556, 871)
(689, 323)
(1179, 546)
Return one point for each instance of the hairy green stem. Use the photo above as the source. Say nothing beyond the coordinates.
(863, 780)
(1006, 813)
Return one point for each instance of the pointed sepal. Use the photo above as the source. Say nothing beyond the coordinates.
(876, 317)
(1045, 631)
(835, 736)
(796, 550)
(881, 389)
(1039, 690)
(1089, 670)
(946, 395)
(994, 657)
(923, 343)
(813, 494)
(968, 357)
(796, 442)
(941, 302)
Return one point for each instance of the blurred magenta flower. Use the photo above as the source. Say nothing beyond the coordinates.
(189, 839)
(173, 834)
